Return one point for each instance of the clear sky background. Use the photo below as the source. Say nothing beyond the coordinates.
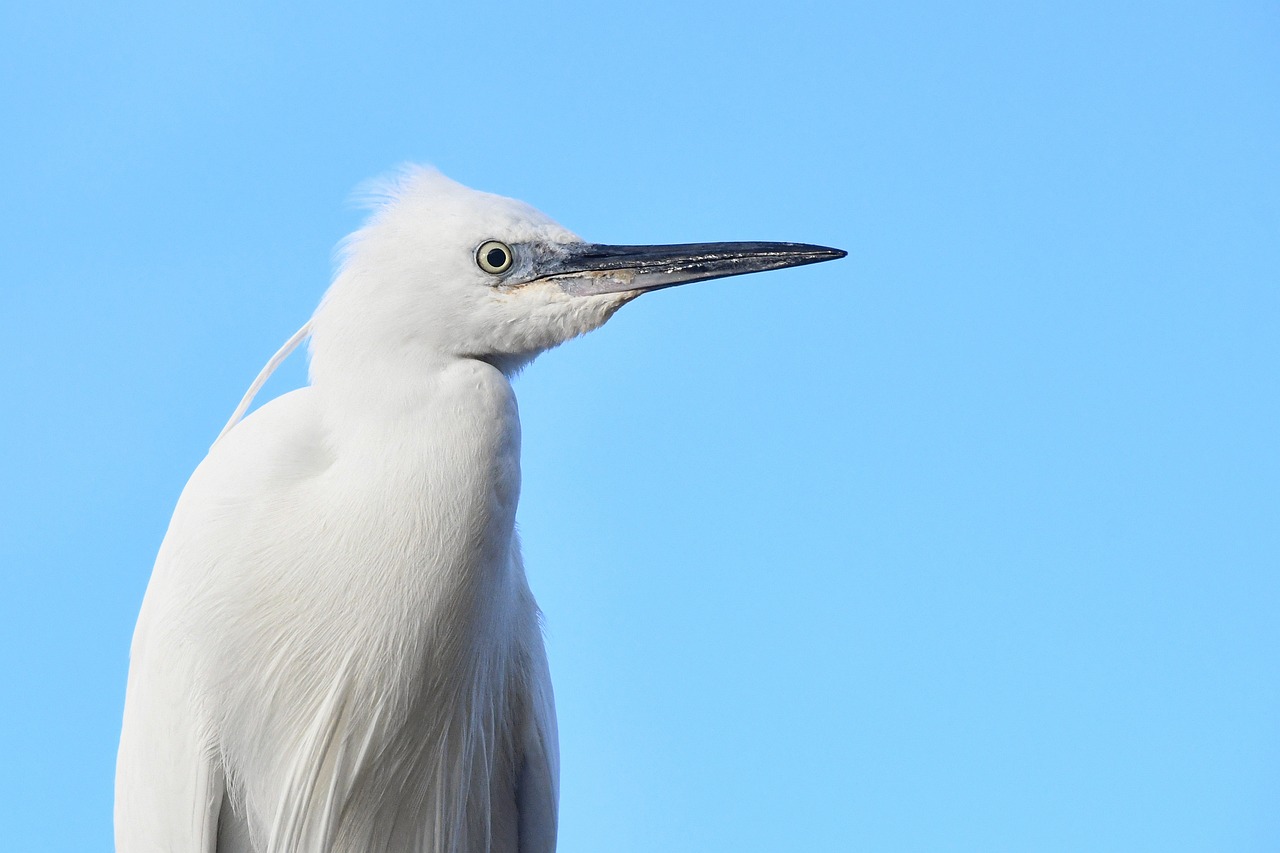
(970, 541)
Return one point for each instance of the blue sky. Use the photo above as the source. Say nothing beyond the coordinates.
(967, 542)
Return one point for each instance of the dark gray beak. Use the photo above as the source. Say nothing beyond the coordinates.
(585, 269)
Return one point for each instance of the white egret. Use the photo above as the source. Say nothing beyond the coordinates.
(338, 651)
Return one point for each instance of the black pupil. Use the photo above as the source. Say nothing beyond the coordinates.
(495, 257)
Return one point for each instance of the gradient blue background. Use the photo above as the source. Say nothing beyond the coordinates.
(967, 542)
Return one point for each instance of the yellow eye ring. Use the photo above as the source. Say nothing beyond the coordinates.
(494, 257)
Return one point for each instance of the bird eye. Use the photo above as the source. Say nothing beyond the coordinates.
(494, 257)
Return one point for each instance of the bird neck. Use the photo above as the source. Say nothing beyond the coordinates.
(432, 482)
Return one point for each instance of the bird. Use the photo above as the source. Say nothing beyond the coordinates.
(338, 650)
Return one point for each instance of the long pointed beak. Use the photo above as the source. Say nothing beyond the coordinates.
(585, 269)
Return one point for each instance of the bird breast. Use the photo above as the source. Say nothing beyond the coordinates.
(364, 626)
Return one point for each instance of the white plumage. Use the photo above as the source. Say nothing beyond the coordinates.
(338, 651)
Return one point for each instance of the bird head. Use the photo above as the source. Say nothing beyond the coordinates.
(443, 272)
